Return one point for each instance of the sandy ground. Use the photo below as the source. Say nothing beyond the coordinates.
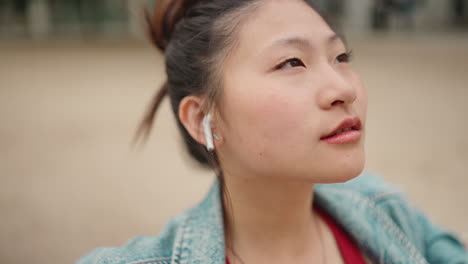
(69, 180)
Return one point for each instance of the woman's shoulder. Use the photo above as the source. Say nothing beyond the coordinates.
(184, 236)
(143, 249)
(378, 202)
(379, 215)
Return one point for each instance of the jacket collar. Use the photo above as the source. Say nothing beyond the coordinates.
(203, 238)
(371, 227)
(202, 241)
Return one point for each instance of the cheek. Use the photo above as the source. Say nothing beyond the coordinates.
(270, 119)
(275, 114)
(361, 96)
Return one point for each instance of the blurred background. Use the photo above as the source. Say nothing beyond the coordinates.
(77, 75)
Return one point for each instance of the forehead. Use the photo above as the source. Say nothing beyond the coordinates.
(276, 20)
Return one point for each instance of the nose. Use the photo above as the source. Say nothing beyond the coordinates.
(335, 89)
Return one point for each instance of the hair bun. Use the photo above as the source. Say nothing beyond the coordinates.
(163, 19)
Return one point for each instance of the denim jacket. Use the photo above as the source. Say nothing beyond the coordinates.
(384, 226)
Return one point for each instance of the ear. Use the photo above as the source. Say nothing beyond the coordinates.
(191, 116)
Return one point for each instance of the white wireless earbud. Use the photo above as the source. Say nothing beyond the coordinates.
(207, 131)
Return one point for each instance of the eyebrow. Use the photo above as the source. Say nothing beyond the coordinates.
(303, 42)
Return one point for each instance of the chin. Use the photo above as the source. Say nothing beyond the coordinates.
(348, 174)
(341, 172)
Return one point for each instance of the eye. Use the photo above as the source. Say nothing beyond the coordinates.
(290, 63)
(344, 57)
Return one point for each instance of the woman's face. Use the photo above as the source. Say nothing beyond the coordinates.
(287, 84)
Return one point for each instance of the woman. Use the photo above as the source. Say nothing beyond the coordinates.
(264, 95)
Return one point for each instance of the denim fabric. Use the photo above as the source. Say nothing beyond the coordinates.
(385, 227)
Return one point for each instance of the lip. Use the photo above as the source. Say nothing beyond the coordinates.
(352, 135)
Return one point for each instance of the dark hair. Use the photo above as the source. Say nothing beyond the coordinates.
(194, 35)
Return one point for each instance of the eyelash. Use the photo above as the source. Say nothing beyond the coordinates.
(347, 58)
(284, 63)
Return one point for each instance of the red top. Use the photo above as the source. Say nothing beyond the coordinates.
(348, 248)
(346, 245)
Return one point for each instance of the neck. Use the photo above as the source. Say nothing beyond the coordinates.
(270, 216)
